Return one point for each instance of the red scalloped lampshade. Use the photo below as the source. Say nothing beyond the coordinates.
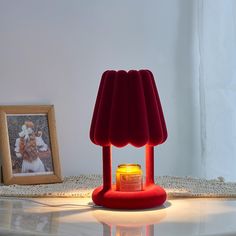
(128, 110)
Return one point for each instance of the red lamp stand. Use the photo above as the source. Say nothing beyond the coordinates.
(106, 195)
(128, 111)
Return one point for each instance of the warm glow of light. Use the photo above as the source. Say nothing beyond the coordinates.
(129, 178)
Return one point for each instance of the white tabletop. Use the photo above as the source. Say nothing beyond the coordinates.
(78, 217)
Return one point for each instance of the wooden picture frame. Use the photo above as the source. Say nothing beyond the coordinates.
(28, 145)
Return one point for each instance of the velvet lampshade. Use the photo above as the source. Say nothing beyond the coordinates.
(128, 110)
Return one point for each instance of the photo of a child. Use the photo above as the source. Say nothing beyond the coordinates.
(29, 144)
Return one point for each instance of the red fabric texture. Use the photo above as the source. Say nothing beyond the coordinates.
(151, 196)
(128, 110)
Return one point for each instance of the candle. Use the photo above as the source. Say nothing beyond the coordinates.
(129, 178)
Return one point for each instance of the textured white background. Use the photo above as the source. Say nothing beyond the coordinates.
(55, 52)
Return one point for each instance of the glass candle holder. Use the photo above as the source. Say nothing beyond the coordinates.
(129, 178)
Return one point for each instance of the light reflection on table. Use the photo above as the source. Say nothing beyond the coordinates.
(206, 217)
(130, 223)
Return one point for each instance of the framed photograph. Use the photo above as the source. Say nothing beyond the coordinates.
(28, 144)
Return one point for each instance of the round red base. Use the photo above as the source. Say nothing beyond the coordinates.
(151, 196)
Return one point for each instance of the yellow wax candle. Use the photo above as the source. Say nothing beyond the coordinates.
(129, 178)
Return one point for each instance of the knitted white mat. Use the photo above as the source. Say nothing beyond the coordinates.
(82, 186)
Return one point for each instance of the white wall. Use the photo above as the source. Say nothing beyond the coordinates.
(217, 40)
(55, 52)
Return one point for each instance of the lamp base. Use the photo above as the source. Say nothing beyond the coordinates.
(151, 196)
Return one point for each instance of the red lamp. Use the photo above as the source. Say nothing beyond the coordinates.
(128, 111)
